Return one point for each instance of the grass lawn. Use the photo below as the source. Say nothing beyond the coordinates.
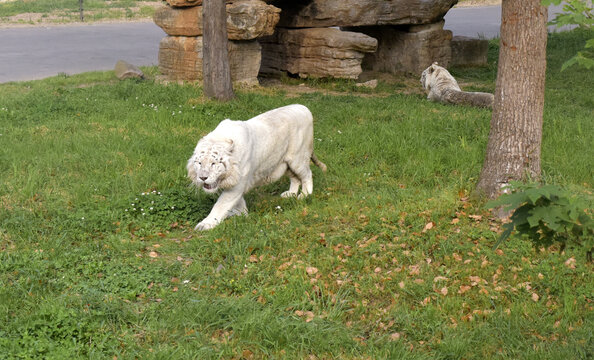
(389, 259)
(35, 12)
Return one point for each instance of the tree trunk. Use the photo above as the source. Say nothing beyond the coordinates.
(513, 149)
(215, 56)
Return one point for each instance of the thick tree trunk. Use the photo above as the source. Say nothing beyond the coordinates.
(513, 149)
(215, 57)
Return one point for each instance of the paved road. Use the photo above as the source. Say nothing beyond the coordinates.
(482, 22)
(29, 53)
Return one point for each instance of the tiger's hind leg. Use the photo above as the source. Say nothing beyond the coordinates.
(303, 174)
(293, 186)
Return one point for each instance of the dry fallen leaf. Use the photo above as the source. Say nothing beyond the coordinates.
(463, 289)
(535, 297)
(428, 226)
(311, 270)
(153, 254)
(395, 336)
(570, 263)
(444, 291)
(440, 278)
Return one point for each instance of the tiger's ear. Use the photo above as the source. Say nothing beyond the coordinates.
(433, 67)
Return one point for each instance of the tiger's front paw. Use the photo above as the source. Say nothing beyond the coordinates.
(205, 225)
(288, 194)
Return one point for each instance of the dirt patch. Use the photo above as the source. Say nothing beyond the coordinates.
(398, 84)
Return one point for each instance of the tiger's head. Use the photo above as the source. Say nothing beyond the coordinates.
(427, 78)
(212, 166)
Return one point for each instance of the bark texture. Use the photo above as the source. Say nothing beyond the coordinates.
(513, 149)
(215, 62)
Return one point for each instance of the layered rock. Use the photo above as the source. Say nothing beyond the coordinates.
(408, 49)
(180, 58)
(180, 53)
(246, 20)
(327, 13)
(316, 52)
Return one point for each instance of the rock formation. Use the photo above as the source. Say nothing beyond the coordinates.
(180, 53)
(410, 33)
(328, 13)
(317, 52)
(180, 58)
(467, 51)
(408, 49)
(246, 20)
(319, 38)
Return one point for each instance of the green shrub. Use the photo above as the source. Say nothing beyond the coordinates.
(161, 209)
(547, 214)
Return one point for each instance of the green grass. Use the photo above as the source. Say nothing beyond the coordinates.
(353, 272)
(66, 11)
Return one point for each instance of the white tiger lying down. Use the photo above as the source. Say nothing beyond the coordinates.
(441, 86)
(240, 155)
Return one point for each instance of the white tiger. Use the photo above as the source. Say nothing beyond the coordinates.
(441, 86)
(240, 155)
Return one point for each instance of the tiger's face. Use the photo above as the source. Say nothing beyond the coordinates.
(209, 165)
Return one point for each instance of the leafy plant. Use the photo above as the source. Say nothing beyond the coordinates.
(580, 13)
(547, 214)
(163, 208)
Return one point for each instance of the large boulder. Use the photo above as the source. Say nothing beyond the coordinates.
(315, 52)
(468, 51)
(246, 20)
(327, 13)
(408, 49)
(125, 70)
(180, 58)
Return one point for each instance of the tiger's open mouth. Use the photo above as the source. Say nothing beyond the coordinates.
(209, 186)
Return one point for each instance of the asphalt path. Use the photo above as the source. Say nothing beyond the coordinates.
(37, 52)
(484, 21)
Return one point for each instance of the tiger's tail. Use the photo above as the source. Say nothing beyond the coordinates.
(318, 163)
